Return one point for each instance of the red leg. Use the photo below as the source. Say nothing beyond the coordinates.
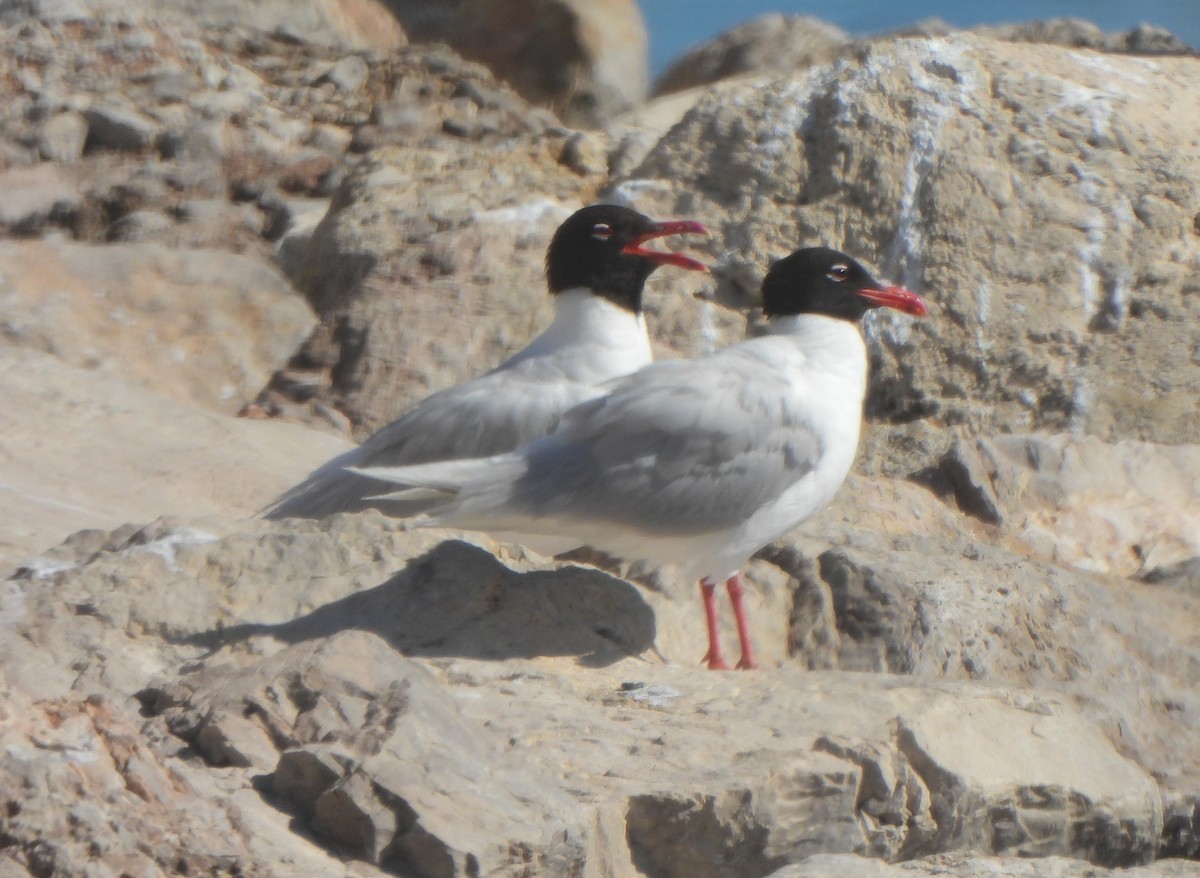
(734, 586)
(715, 658)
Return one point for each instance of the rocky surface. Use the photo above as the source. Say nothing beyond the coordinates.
(775, 42)
(1039, 197)
(586, 59)
(783, 44)
(980, 660)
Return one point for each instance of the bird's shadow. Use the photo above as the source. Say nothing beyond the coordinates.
(459, 600)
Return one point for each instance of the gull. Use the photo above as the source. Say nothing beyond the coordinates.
(694, 463)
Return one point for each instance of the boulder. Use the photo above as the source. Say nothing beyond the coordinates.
(34, 195)
(193, 325)
(974, 866)
(585, 60)
(1131, 508)
(775, 43)
(1040, 199)
(1144, 39)
(426, 706)
(87, 448)
(466, 238)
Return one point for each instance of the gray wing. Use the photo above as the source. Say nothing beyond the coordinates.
(489, 415)
(681, 448)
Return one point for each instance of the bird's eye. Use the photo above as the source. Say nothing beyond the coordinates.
(839, 272)
(602, 231)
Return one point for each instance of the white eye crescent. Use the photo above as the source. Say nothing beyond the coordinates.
(602, 231)
(839, 272)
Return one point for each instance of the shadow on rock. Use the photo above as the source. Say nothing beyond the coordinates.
(459, 600)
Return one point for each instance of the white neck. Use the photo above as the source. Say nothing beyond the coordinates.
(829, 343)
(582, 316)
(603, 340)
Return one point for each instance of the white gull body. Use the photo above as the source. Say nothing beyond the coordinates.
(596, 269)
(695, 463)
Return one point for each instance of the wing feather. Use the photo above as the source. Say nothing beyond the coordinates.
(679, 448)
(488, 415)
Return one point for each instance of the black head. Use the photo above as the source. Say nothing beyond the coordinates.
(818, 280)
(600, 248)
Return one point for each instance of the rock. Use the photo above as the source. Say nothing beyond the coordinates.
(62, 137)
(778, 45)
(879, 152)
(171, 83)
(133, 311)
(35, 195)
(466, 226)
(403, 758)
(584, 154)
(348, 74)
(1121, 508)
(983, 613)
(1074, 32)
(586, 60)
(775, 43)
(121, 805)
(1029, 787)
(63, 471)
(210, 693)
(119, 128)
(964, 865)
(415, 787)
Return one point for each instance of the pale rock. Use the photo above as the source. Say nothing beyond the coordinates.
(331, 139)
(141, 225)
(189, 324)
(993, 178)
(198, 140)
(348, 74)
(1030, 767)
(1125, 508)
(62, 137)
(35, 194)
(962, 609)
(171, 84)
(85, 449)
(584, 154)
(973, 865)
(774, 43)
(1077, 33)
(585, 60)
(316, 634)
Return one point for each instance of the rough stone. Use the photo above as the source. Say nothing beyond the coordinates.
(960, 865)
(586, 60)
(480, 244)
(1144, 39)
(88, 449)
(348, 74)
(212, 694)
(62, 137)
(1126, 508)
(34, 195)
(136, 310)
(778, 44)
(302, 635)
(773, 43)
(119, 128)
(994, 178)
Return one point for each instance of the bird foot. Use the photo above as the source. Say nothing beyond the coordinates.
(747, 663)
(716, 662)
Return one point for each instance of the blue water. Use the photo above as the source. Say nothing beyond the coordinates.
(675, 25)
